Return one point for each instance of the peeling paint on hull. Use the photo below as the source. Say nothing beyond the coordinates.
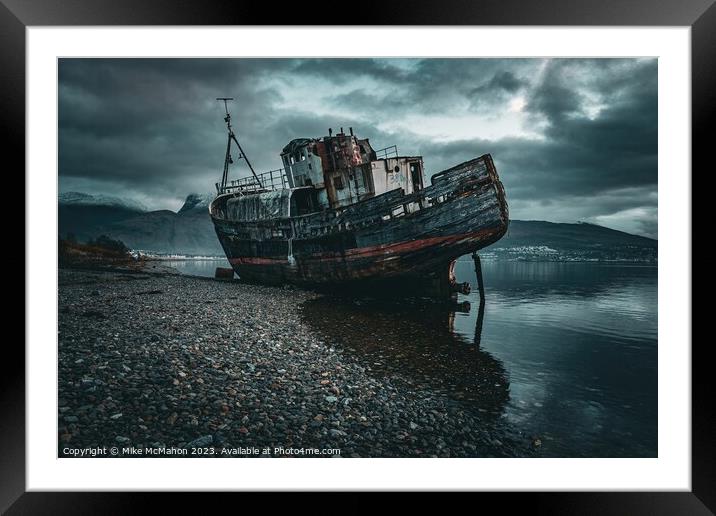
(388, 236)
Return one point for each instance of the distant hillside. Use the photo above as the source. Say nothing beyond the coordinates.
(189, 231)
(79, 214)
(561, 241)
(83, 199)
(569, 236)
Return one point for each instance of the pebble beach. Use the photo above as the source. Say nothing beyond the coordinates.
(221, 368)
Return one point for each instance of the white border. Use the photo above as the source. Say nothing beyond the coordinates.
(671, 471)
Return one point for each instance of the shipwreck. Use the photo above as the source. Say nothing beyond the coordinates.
(340, 215)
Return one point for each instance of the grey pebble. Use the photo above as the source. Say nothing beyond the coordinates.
(252, 368)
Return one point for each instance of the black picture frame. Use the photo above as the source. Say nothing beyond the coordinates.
(700, 15)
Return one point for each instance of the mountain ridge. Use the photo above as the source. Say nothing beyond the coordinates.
(190, 231)
(85, 199)
(196, 202)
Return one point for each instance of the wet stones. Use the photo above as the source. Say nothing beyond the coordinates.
(167, 368)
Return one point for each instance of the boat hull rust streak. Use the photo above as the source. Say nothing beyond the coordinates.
(389, 236)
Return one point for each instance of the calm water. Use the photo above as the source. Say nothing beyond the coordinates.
(198, 267)
(579, 343)
(563, 352)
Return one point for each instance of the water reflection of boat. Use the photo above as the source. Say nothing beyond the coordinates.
(416, 342)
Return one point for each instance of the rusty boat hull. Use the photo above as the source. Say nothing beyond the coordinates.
(407, 239)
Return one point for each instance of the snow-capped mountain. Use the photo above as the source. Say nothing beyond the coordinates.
(83, 199)
(188, 231)
(196, 202)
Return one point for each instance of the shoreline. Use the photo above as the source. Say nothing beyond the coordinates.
(154, 359)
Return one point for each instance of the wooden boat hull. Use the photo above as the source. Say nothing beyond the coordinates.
(388, 237)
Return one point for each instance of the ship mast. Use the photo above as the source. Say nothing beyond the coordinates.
(242, 154)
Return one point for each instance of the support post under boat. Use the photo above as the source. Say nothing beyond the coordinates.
(478, 273)
(478, 322)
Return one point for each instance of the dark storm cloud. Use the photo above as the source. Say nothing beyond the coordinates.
(371, 103)
(505, 81)
(342, 71)
(496, 89)
(430, 84)
(580, 135)
(153, 125)
(591, 158)
(477, 81)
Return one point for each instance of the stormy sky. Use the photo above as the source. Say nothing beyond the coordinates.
(573, 139)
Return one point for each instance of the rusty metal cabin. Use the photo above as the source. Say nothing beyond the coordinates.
(345, 169)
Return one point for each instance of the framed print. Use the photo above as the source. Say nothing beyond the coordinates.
(427, 249)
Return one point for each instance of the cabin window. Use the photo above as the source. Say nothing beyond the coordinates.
(360, 179)
(303, 202)
(416, 177)
(338, 183)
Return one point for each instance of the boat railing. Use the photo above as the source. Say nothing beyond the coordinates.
(387, 152)
(271, 180)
